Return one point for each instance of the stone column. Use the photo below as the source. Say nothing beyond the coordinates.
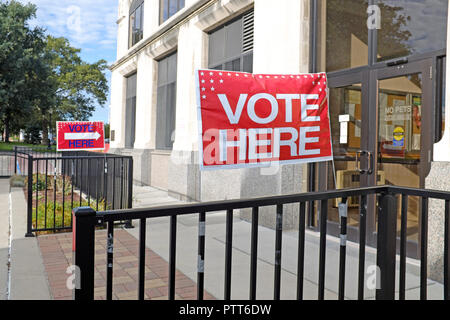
(439, 179)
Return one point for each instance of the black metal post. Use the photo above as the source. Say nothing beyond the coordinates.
(228, 254)
(254, 253)
(386, 242)
(343, 209)
(201, 255)
(30, 198)
(110, 261)
(128, 223)
(301, 252)
(84, 229)
(362, 245)
(172, 256)
(322, 247)
(142, 247)
(423, 249)
(278, 240)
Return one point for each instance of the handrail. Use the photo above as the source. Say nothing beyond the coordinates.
(182, 209)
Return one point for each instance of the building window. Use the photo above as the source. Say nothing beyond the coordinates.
(166, 102)
(411, 27)
(168, 8)
(405, 28)
(130, 111)
(231, 45)
(136, 32)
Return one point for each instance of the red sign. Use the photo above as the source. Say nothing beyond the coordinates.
(80, 135)
(255, 120)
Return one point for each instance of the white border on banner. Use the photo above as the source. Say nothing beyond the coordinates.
(259, 164)
(89, 149)
(199, 119)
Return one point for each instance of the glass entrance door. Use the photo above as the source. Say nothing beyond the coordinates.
(382, 133)
(404, 139)
(347, 96)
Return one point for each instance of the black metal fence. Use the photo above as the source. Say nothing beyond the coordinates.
(56, 183)
(87, 219)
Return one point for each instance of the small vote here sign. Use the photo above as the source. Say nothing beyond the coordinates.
(80, 135)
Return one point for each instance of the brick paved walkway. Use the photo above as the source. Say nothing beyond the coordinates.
(57, 256)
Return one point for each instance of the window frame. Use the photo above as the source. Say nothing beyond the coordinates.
(180, 4)
(130, 109)
(135, 6)
(221, 63)
(166, 145)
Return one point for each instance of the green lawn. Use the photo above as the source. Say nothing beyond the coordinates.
(10, 146)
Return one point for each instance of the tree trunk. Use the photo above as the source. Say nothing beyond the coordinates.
(44, 131)
(6, 132)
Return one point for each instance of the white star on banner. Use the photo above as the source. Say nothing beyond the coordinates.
(203, 89)
(212, 89)
(212, 81)
(203, 81)
(204, 97)
(221, 81)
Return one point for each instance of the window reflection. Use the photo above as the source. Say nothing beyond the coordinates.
(411, 27)
(343, 34)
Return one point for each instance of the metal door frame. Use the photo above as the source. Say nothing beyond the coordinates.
(369, 77)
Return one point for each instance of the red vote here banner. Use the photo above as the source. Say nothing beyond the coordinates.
(80, 135)
(257, 120)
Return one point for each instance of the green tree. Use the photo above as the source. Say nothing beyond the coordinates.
(74, 87)
(21, 49)
(107, 130)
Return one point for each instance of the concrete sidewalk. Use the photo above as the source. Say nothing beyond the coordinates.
(4, 237)
(158, 241)
(27, 276)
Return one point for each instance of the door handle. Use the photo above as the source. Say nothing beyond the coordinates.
(358, 161)
(370, 164)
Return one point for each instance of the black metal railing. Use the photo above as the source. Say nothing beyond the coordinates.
(58, 182)
(86, 220)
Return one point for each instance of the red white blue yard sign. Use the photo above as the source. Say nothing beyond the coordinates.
(80, 135)
(254, 120)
